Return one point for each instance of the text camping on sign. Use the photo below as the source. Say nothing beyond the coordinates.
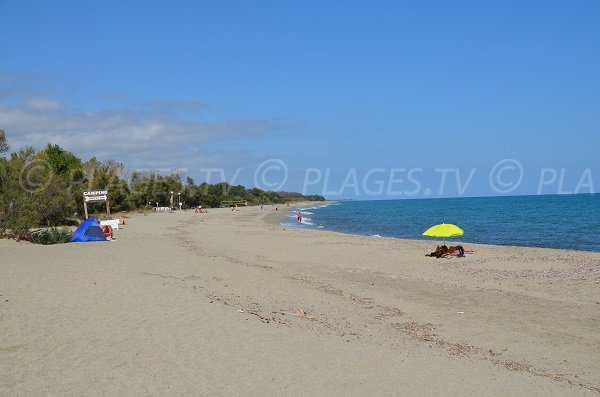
(96, 195)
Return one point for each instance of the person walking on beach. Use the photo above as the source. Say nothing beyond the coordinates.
(299, 217)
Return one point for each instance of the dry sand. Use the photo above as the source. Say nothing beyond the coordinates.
(226, 304)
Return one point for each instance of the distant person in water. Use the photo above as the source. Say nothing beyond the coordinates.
(299, 217)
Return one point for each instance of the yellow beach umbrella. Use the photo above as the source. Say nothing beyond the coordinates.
(444, 230)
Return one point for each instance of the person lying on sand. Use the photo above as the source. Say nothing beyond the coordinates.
(442, 251)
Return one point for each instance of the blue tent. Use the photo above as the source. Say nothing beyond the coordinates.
(89, 230)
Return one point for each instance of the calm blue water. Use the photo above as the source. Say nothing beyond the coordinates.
(565, 221)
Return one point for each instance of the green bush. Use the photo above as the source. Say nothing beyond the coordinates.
(52, 235)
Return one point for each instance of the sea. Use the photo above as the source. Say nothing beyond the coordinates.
(550, 221)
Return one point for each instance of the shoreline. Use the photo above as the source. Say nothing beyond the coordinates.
(185, 303)
(277, 219)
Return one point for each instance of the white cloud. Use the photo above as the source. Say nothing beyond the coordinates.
(12, 77)
(153, 138)
(159, 104)
(43, 104)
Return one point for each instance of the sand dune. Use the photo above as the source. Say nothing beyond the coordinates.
(227, 304)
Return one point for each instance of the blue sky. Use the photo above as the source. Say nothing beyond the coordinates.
(363, 92)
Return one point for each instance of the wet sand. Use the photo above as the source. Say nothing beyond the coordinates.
(227, 304)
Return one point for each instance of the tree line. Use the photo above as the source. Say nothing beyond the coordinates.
(44, 188)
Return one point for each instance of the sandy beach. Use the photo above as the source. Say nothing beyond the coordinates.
(229, 303)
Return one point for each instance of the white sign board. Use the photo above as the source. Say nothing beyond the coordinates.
(114, 223)
(90, 199)
(95, 195)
